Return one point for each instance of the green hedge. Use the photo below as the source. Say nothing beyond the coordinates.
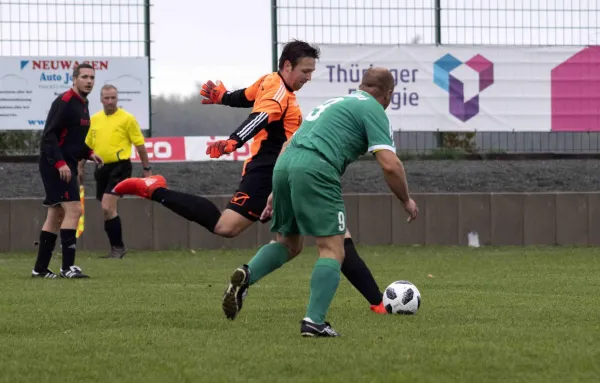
(19, 142)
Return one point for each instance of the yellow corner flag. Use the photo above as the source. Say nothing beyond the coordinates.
(81, 224)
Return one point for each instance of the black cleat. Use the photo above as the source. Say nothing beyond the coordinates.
(74, 272)
(116, 252)
(236, 292)
(44, 274)
(317, 330)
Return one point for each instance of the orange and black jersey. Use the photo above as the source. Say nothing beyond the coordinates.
(275, 117)
(67, 124)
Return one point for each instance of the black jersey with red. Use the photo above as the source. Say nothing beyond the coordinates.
(67, 125)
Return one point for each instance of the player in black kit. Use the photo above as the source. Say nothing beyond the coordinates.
(62, 146)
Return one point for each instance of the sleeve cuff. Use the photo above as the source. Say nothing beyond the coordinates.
(60, 164)
(235, 138)
(376, 148)
(225, 98)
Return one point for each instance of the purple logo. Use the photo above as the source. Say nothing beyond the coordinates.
(463, 82)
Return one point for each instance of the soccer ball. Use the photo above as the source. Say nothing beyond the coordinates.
(402, 297)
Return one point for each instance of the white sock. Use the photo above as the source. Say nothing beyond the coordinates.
(307, 319)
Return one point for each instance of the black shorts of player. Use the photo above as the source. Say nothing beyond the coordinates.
(251, 196)
(57, 190)
(109, 175)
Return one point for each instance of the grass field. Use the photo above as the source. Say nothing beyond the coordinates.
(487, 315)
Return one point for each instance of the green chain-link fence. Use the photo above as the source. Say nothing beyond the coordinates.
(451, 22)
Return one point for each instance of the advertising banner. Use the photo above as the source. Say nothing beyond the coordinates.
(470, 88)
(187, 149)
(29, 85)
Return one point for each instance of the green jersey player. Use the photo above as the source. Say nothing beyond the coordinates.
(307, 196)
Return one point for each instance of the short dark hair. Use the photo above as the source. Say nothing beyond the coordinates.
(79, 67)
(296, 50)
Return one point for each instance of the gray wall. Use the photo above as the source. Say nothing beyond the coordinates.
(373, 219)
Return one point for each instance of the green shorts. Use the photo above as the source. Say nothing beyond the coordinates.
(307, 196)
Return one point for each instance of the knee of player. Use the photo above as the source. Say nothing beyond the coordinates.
(294, 248)
(108, 209)
(227, 229)
(59, 216)
(331, 249)
(55, 216)
(73, 210)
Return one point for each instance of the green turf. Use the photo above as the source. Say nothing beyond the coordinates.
(509, 315)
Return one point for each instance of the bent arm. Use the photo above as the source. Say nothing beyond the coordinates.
(394, 174)
(258, 120)
(237, 99)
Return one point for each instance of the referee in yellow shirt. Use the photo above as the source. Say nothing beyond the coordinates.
(112, 133)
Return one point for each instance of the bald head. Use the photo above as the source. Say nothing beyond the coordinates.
(379, 83)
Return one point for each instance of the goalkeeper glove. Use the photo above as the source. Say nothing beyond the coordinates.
(213, 92)
(218, 148)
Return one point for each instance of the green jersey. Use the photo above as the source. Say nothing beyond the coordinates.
(343, 128)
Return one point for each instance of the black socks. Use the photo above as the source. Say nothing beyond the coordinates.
(191, 207)
(47, 244)
(359, 275)
(114, 232)
(68, 241)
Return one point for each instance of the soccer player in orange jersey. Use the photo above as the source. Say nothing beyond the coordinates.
(275, 117)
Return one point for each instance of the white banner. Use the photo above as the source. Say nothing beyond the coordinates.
(29, 85)
(479, 88)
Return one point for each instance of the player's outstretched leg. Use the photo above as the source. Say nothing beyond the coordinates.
(359, 275)
(268, 259)
(191, 207)
(141, 187)
(324, 282)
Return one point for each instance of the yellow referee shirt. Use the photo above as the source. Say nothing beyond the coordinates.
(111, 136)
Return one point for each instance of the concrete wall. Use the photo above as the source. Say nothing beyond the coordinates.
(373, 219)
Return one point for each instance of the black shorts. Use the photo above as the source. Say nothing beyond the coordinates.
(57, 190)
(251, 196)
(109, 175)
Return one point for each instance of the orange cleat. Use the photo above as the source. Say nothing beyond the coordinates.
(141, 187)
(378, 309)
